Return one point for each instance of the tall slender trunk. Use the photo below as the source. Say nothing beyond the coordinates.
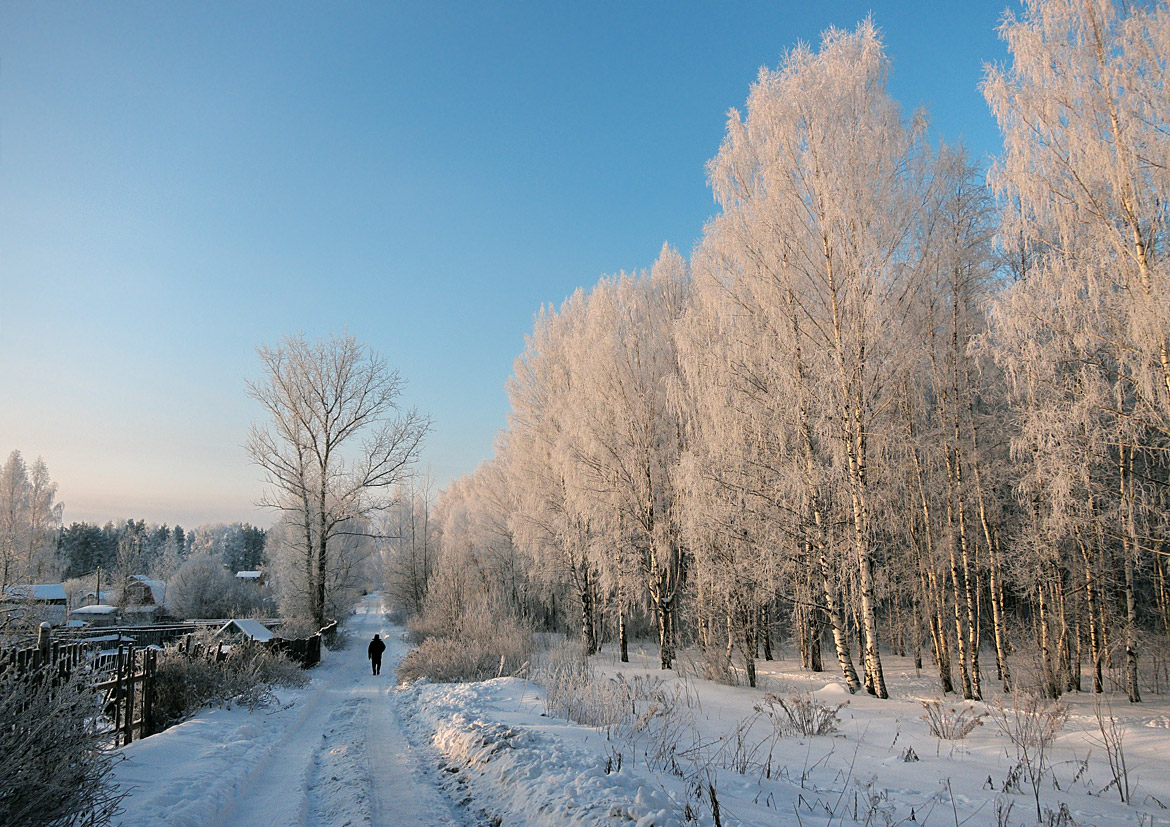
(1091, 612)
(585, 594)
(1048, 684)
(1129, 550)
(837, 625)
(926, 575)
(853, 435)
(816, 524)
(623, 643)
(322, 557)
(1163, 602)
(998, 620)
(766, 628)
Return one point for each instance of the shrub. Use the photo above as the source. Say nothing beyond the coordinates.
(246, 676)
(1031, 723)
(951, 723)
(53, 769)
(801, 714)
(572, 692)
(486, 646)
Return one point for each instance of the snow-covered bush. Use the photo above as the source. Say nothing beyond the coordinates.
(245, 676)
(485, 643)
(53, 769)
(572, 692)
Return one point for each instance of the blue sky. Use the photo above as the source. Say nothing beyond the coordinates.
(180, 182)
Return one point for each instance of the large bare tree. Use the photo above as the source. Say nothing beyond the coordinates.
(335, 445)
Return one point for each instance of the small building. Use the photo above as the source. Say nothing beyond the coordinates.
(97, 614)
(245, 628)
(142, 591)
(35, 603)
(91, 598)
(256, 577)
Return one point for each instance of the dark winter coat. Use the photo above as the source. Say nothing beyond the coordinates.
(376, 648)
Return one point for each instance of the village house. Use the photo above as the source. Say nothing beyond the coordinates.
(35, 603)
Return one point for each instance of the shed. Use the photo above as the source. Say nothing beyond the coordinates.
(245, 628)
(142, 591)
(97, 615)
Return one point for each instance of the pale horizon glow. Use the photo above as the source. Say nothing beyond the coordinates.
(180, 183)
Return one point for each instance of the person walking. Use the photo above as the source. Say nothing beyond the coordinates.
(375, 650)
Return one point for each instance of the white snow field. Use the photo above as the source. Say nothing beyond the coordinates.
(353, 750)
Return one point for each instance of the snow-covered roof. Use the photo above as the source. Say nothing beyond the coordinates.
(47, 592)
(96, 609)
(248, 575)
(253, 629)
(158, 588)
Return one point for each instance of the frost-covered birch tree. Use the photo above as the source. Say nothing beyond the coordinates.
(30, 518)
(548, 523)
(627, 432)
(1085, 333)
(820, 184)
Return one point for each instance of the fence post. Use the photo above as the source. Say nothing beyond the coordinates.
(130, 675)
(118, 695)
(44, 642)
(148, 694)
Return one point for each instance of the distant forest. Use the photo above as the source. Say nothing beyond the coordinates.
(83, 547)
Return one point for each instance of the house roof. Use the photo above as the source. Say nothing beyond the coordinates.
(96, 609)
(36, 591)
(158, 589)
(253, 629)
(248, 575)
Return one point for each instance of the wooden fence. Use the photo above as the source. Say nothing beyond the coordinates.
(130, 698)
(127, 674)
(65, 655)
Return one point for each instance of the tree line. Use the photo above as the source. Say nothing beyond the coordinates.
(891, 403)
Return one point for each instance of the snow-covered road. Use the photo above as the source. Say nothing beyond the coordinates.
(336, 753)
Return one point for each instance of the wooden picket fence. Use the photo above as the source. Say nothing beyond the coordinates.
(64, 655)
(127, 675)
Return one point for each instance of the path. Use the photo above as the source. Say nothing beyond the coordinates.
(348, 759)
(339, 755)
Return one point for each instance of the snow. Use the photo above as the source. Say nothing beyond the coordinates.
(332, 753)
(353, 749)
(249, 628)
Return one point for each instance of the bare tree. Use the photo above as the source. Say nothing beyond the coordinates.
(335, 445)
(409, 547)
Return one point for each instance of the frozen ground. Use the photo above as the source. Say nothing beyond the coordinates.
(351, 749)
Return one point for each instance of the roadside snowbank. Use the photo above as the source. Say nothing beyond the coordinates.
(508, 762)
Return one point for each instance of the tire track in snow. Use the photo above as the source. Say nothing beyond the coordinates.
(347, 759)
(339, 783)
